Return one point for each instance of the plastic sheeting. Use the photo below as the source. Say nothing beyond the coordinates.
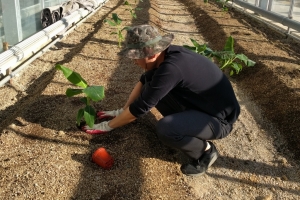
(50, 15)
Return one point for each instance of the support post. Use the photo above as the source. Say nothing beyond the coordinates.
(12, 21)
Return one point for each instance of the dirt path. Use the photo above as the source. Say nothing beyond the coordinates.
(44, 156)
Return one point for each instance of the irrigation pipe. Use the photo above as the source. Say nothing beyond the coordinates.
(19, 59)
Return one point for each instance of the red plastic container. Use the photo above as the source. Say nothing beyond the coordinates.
(102, 158)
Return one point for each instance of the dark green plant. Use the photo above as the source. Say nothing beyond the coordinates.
(226, 58)
(116, 22)
(92, 93)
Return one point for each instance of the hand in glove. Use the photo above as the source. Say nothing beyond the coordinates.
(109, 114)
(100, 128)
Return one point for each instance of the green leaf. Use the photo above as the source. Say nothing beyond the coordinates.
(229, 44)
(84, 100)
(236, 67)
(201, 48)
(125, 28)
(96, 93)
(190, 48)
(80, 114)
(242, 57)
(225, 55)
(126, 3)
(246, 60)
(89, 116)
(195, 43)
(133, 15)
(250, 63)
(116, 19)
(208, 52)
(72, 92)
(72, 76)
(110, 22)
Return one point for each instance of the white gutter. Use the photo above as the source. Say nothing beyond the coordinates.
(28, 50)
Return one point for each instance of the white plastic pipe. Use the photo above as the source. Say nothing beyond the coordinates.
(19, 53)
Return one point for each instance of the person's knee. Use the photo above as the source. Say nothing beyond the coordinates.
(166, 133)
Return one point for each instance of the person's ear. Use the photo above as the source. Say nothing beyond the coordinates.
(151, 57)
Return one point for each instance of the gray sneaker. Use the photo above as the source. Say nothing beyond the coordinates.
(199, 167)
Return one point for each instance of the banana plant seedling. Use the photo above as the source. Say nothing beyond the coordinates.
(92, 93)
(225, 58)
(116, 22)
(200, 49)
(131, 10)
(228, 58)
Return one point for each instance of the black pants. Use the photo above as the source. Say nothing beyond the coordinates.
(186, 129)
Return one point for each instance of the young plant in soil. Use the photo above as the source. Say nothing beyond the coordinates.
(200, 49)
(223, 2)
(131, 10)
(92, 93)
(227, 58)
(116, 22)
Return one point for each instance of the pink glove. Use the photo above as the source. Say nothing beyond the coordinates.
(100, 128)
(109, 114)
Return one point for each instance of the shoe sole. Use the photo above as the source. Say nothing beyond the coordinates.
(213, 159)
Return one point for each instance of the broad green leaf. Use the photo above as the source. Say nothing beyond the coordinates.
(250, 63)
(80, 114)
(208, 52)
(236, 67)
(110, 22)
(116, 19)
(89, 116)
(125, 28)
(72, 76)
(242, 57)
(126, 3)
(133, 15)
(190, 48)
(72, 92)
(229, 44)
(240, 66)
(226, 55)
(195, 43)
(201, 48)
(96, 93)
(85, 100)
